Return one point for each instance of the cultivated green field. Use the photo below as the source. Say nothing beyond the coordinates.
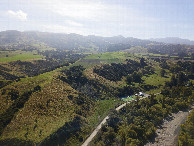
(21, 57)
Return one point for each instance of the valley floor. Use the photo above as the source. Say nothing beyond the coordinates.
(167, 134)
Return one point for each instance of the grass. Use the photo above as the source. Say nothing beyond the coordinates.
(25, 85)
(36, 110)
(85, 64)
(10, 53)
(21, 57)
(155, 79)
(49, 124)
(152, 54)
(107, 57)
(101, 111)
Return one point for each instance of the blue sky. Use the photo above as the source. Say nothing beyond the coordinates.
(130, 18)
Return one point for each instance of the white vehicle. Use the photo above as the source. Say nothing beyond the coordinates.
(141, 94)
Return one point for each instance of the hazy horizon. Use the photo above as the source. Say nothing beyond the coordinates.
(151, 39)
(143, 19)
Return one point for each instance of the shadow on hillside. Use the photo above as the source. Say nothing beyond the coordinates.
(64, 133)
(16, 142)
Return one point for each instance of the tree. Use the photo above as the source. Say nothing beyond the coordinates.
(162, 99)
(173, 81)
(151, 99)
(186, 91)
(123, 134)
(14, 94)
(165, 92)
(181, 78)
(109, 136)
(162, 73)
(137, 100)
(129, 79)
(37, 88)
(164, 65)
(142, 62)
(136, 77)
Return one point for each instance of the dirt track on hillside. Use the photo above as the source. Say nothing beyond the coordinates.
(89, 139)
(167, 134)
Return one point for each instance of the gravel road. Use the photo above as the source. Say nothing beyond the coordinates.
(89, 139)
(167, 134)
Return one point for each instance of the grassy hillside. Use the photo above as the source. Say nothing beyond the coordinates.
(35, 108)
(45, 111)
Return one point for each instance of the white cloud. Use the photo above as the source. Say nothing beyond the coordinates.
(73, 23)
(78, 9)
(18, 14)
(95, 11)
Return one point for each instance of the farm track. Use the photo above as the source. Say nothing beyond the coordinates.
(89, 139)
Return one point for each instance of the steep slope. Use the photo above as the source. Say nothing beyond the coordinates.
(34, 108)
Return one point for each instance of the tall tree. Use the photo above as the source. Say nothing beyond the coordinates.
(162, 72)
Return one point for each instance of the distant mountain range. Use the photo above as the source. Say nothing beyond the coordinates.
(14, 36)
(173, 40)
(70, 41)
(15, 40)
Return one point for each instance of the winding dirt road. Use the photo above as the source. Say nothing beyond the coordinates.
(89, 139)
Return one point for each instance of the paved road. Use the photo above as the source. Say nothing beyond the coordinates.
(89, 139)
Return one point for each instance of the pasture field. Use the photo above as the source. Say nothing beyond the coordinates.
(21, 57)
(6, 54)
(155, 79)
(107, 57)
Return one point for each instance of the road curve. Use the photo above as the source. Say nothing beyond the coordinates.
(89, 139)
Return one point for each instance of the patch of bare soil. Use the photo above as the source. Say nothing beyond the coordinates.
(167, 134)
